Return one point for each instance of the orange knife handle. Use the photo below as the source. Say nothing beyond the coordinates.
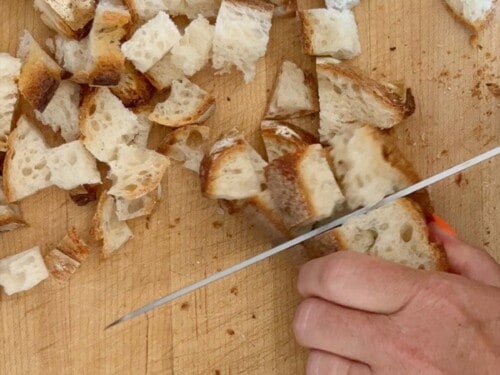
(443, 225)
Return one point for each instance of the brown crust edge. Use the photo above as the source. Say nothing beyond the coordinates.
(475, 27)
(306, 32)
(204, 110)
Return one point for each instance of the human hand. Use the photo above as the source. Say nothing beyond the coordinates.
(363, 315)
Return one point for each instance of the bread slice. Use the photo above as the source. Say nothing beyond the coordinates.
(192, 52)
(151, 42)
(61, 114)
(185, 145)
(10, 214)
(113, 232)
(73, 246)
(193, 8)
(40, 75)
(295, 94)
(105, 123)
(131, 209)
(145, 9)
(164, 72)
(281, 138)
(187, 104)
(341, 4)
(134, 88)
(396, 232)
(241, 35)
(303, 187)
(136, 172)
(349, 98)
(330, 32)
(11, 68)
(475, 14)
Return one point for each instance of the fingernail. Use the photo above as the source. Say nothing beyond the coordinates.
(443, 225)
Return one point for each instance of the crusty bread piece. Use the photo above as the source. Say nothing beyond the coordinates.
(73, 56)
(141, 138)
(60, 266)
(303, 187)
(22, 271)
(105, 123)
(396, 232)
(164, 72)
(294, 95)
(192, 52)
(10, 214)
(136, 171)
(341, 4)
(61, 114)
(113, 232)
(145, 9)
(134, 88)
(40, 75)
(349, 98)
(11, 68)
(241, 35)
(193, 8)
(151, 42)
(281, 138)
(73, 246)
(187, 104)
(330, 32)
(131, 209)
(475, 14)
(185, 145)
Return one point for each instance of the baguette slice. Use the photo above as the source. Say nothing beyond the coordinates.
(281, 138)
(185, 145)
(10, 214)
(131, 209)
(303, 187)
(187, 104)
(349, 98)
(136, 172)
(164, 72)
(341, 4)
(241, 35)
(396, 232)
(145, 9)
(9, 74)
(60, 266)
(330, 32)
(22, 271)
(295, 94)
(40, 75)
(133, 89)
(73, 246)
(475, 14)
(61, 114)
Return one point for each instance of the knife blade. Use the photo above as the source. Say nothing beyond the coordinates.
(313, 233)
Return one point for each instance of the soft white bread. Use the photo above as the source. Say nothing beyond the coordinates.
(113, 232)
(11, 68)
(144, 126)
(73, 246)
(187, 104)
(164, 72)
(60, 266)
(349, 97)
(185, 145)
(146, 9)
(134, 88)
(396, 232)
(341, 4)
(151, 42)
(61, 114)
(303, 187)
(73, 56)
(281, 138)
(241, 35)
(22, 271)
(136, 171)
(40, 75)
(131, 209)
(10, 214)
(71, 165)
(193, 8)
(330, 32)
(294, 95)
(192, 52)
(475, 14)
(105, 123)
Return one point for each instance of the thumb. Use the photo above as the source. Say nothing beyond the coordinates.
(466, 260)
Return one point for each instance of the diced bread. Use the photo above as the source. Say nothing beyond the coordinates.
(241, 35)
(146, 9)
(144, 126)
(185, 145)
(136, 172)
(294, 95)
(164, 72)
(10, 214)
(40, 75)
(22, 271)
(303, 187)
(134, 88)
(131, 209)
(475, 14)
(73, 56)
(281, 138)
(349, 98)
(60, 266)
(341, 4)
(187, 104)
(61, 114)
(11, 68)
(396, 232)
(108, 228)
(193, 8)
(192, 52)
(151, 42)
(73, 246)
(330, 32)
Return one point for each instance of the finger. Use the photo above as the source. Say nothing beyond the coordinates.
(322, 325)
(359, 281)
(466, 260)
(321, 363)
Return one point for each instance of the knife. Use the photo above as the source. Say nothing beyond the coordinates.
(313, 233)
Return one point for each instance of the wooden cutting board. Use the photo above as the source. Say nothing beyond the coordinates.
(242, 325)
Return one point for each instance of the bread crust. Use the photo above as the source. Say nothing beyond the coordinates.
(307, 32)
(73, 246)
(202, 113)
(133, 88)
(474, 27)
(11, 222)
(7, 189)
(60, 265)
(254, 4)
(76, 29)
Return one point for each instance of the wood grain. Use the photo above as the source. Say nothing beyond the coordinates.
(242, 325)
